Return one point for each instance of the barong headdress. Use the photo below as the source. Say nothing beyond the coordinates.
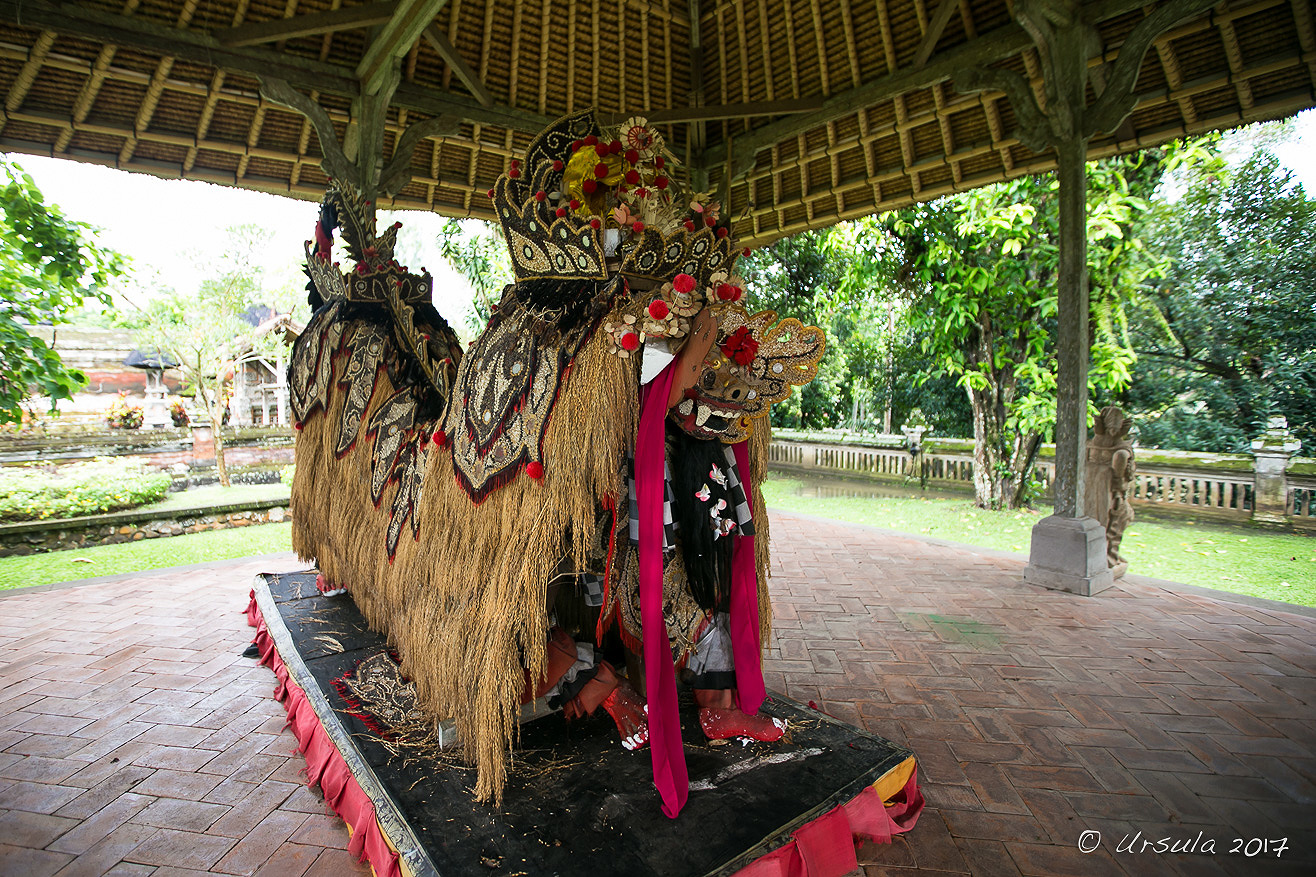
(598, 214)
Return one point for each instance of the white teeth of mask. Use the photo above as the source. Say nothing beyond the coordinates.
(685, 407)
(702, 417)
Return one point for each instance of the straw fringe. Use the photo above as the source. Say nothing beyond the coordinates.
(463, 603)
(759, 442)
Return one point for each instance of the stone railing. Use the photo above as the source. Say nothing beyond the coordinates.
(1216, 486)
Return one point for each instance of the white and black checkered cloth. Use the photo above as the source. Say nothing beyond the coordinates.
(740, 514)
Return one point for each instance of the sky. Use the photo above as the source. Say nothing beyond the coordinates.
(166, 226)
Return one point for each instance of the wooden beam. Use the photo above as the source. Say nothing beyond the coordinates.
(143, 35)
(448, 52)
(394, 40)
(719, 112)
(990, 48)
(332, 21)
(935, 29)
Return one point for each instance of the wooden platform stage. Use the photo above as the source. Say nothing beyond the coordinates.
(576, 802)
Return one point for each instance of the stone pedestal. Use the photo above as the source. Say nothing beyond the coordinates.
(203, 446)
(1270, 499)
(1069, 554)
(156, 411)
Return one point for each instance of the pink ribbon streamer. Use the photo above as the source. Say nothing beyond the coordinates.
(665, 747)
(745, 644)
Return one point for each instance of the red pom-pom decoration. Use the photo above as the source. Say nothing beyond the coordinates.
(601, 150)
(745, 252)
(661, 182)
(589, 186)
(615, 147)
(576, 144)
(724, 292)
(630, 341)
(594, 223)
(557, 164)
(659, 161)
(561, 211)
(440, 438)
(743, 356)
(709, 221)
(632, 156)
(541, 195)
(591, 140)
(637, 227)
(600, 170)
(683, 283)
(721, 232)
(689, 225)
(632, 176)
(491, 194)
(514, 173)
(534, 469)
(575, 205)
(658, 309)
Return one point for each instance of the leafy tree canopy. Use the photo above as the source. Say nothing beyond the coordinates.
(1227, 335)
(48, 266)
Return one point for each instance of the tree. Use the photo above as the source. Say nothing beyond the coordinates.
(979, 272)
(1228, 334)
(48, 266)
(207, 336)
(479, 253)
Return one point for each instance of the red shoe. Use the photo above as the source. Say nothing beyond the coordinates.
(631, 716)
(723, 724)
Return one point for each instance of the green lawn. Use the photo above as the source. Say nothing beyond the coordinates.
(106, 560)
(1241, 559)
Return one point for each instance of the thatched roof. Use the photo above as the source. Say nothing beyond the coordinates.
(820, 109)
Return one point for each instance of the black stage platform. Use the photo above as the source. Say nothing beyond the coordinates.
(576, 802)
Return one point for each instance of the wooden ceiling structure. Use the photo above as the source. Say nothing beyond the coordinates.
(806, 112)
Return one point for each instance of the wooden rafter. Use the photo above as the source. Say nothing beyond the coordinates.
(440, 43)
(935, 28)
(999, 44)
(332, 21)
(393, 40)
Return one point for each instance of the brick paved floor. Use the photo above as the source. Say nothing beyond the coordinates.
(135, 740)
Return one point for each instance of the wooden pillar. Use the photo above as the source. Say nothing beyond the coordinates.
(1072, 342)
(1068, 550)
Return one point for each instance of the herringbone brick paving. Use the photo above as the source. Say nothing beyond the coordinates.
(135, 740)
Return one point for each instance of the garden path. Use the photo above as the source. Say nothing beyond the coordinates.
(135, 740)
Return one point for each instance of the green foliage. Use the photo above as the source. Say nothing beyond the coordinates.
(38, 492)
(479, 253)
(121, 415)
(1228, 336)
(979, 270)
(48, 266)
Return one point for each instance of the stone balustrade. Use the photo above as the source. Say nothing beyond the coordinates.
(1269, 486)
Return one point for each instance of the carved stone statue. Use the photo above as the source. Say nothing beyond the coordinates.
(1108, 476)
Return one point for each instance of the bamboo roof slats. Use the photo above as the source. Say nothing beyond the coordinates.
(801, 112)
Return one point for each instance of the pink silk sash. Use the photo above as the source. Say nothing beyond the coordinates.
(669, 770)
(745, 646)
